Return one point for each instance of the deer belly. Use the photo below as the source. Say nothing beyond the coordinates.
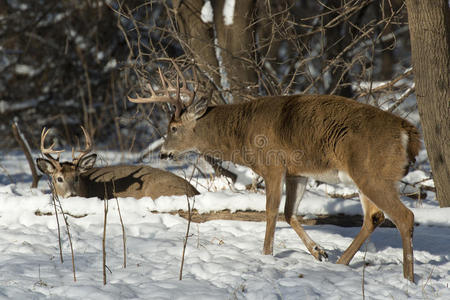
(331, 177)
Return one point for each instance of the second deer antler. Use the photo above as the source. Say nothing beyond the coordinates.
(87, 148)
(168, 89)
(49, 151)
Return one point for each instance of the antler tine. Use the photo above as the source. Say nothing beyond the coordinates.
(154, 97)
(179, 72)
(195, 83)
(167, 89)
(48, 151)
(87, 148)
(164, 80)
(184, 89)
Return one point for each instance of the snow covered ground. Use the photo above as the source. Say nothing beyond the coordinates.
(223, 258)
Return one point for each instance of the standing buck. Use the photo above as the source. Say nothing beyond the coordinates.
(80, 178)
(325, 137)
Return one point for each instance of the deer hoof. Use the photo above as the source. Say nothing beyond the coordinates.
(320, 254)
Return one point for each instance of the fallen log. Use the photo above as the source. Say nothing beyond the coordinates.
(254, 216)
(260, 216)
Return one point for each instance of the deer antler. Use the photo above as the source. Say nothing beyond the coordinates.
(87, 148)
(167, 90)
(195, 84)
(47, 152)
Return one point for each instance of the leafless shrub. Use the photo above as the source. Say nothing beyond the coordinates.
(61, 66)
(186, 237)
(105, 217)
(284, 47)
(77, 60)
(57, 204)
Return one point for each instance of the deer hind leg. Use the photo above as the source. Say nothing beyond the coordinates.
(273, 197)
(373, 217)
(295, 187)
(384, 195)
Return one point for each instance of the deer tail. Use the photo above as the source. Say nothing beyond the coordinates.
(413, 143)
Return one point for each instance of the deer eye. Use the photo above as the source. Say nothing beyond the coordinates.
(173, 129)
(59, 179)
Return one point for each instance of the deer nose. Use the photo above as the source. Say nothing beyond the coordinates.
(164, 155)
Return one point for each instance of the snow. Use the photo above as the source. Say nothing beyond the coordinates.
(111, 64)
(6, 107)
(223, 258)
(24, 70)
(207, 14)
(223, 72)
(155, 144)
(228, 12)
(100, 55)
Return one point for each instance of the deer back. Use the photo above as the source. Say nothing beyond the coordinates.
(133, 181)
(306, 134)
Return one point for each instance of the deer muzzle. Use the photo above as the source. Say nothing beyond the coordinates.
(164, 155)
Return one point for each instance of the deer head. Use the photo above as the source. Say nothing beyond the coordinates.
(181, 134)
(180, 130)
(65, 176)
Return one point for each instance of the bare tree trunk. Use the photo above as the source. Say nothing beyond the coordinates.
(429, 24)
(337, 37)
(199, 43)
(235, 36)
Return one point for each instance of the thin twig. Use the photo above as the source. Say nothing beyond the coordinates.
(187, 234)
(402, 98)
(7, 174)
(428, 280)
(105, 210)
(68, 234)
(364, 273)
(54, 195)
(388, 84)
(124, 237)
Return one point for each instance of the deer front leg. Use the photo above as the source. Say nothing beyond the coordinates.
(273, 197)
(295, 188)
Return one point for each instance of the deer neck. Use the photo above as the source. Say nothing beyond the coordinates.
(89, 187)
(222, 132)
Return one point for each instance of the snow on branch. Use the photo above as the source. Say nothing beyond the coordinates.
(207, 14)
(228, 12)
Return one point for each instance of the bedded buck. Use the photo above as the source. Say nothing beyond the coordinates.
(291, 138)
(81, 178)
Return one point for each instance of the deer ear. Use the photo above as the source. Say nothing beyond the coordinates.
(45, 166)
(87, 162)
(197, 110)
